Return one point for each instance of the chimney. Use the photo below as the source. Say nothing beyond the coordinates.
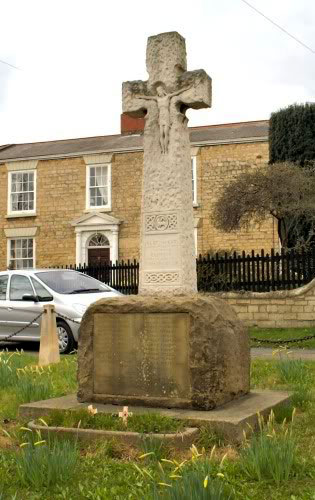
(129, 125)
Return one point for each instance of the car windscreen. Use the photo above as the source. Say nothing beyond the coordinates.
(71, 282)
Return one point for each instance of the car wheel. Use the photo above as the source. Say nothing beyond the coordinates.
(66, 340)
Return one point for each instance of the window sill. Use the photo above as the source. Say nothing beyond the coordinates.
(104, 209)
(21, 214)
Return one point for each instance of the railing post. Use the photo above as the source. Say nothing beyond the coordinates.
(49, 342)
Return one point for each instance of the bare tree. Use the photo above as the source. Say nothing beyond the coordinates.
(284, 190)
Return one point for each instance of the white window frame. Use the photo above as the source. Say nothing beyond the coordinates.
(21, 238)
(194, 180)
(102, 208)
(21, 213)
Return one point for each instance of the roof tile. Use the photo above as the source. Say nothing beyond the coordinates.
(208, 134)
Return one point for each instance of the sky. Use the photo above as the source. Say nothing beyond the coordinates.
(73, 56)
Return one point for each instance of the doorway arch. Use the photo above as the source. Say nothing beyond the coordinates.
(96, 223)
(98, 250)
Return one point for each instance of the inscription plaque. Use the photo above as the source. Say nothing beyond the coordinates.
(142, 355)
(161, 252)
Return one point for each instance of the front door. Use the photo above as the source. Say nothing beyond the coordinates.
(98, 256)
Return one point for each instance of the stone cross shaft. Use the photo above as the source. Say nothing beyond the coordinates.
(167, 247)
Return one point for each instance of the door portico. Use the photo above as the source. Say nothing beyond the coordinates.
(91, 226)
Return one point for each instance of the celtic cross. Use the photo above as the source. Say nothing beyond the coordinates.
(167, 249)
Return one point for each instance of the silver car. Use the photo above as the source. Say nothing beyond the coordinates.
(24, 292)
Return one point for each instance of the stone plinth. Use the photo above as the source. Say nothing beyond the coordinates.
(183, 352)
(230, 420)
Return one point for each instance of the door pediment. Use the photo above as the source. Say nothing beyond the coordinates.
(95, 219)
(90, 224)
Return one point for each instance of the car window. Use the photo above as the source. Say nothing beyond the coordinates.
(19, 286)
(3, 287)
(41, 291)
(71, 282)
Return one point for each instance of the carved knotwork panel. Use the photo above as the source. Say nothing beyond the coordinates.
(161, 278)
(161, 222)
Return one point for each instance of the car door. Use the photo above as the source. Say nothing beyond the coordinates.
(4, 279)
(20, 312)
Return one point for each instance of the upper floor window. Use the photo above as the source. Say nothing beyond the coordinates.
(98, 186)
(22, 192)
(194, 179)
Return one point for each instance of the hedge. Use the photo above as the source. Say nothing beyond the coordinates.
(292, 134)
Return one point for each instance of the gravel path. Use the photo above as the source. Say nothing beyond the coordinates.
(266, 353)
(256, 352)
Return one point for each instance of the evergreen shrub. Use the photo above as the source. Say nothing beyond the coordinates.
(292, 134)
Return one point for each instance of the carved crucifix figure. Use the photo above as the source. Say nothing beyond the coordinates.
(167, 245)
(163, 101)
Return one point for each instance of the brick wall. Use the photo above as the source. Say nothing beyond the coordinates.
(130, 125)
(281, 309)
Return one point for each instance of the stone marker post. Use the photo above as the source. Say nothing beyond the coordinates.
(49, 343)
(167, 249)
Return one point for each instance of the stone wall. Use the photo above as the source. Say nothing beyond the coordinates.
(126, 201)
(61, 193)
(217, 165)
(3, 211)
(61, 198)
(281, 309)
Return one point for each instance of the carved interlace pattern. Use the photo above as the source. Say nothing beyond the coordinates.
(161, 222)
(166, 277)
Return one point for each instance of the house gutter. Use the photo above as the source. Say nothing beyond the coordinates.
(134, 149)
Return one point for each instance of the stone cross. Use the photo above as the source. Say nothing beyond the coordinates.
(167, 248)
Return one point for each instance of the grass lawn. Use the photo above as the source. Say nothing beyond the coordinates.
(283, 334)
(277, 463)
(147, 423)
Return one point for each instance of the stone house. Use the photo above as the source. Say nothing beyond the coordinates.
(78, 200)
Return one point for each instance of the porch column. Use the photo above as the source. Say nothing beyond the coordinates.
(78, 248)
(114, 248)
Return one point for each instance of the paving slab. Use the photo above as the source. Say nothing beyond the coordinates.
(229, 420)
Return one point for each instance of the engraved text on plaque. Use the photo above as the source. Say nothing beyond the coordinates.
(141, 354)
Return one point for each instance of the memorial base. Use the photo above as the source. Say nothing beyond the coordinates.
(229, 421)
(170, 352)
